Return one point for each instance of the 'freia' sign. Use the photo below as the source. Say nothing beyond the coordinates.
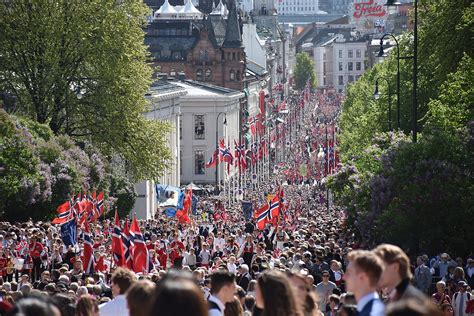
(365, 9)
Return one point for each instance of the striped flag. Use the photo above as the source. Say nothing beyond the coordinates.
(141, 262)
(88, 260)
(117, 245)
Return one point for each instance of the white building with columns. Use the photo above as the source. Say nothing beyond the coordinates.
(193, 110)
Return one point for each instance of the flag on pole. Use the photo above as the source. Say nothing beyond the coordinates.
(88, 259)
(261, 216)
(117, 245)
(126, 241)
(69, 232)
(213, 160)
(65, 213)
(141, 262)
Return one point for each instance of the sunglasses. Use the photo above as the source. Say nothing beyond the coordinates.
(325, 276)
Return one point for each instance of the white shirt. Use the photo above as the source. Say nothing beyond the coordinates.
(377, 306)
(215, 312)
(117, 306)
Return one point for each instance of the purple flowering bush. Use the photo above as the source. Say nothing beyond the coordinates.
(39, 171)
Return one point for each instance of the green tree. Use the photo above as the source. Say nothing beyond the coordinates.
(304, 71)
(51, 52)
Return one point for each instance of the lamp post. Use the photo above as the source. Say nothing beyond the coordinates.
(217, 142)
(382, 54)
(377, 96)
(391, 3)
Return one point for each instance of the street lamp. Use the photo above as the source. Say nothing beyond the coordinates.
(377, 96)
(383, 54)
(217, 140)
(415, 64)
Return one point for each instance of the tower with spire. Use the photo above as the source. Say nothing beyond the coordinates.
(233, 54)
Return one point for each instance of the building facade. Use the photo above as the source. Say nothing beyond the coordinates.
(203, 47)
(340, 61)
(165, 105)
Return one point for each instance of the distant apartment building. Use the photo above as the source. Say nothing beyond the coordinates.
(297, 7)
(339, 61)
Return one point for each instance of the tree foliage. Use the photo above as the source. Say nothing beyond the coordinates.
(52, 51)
(39, 171)
(416, 195)
(304, 71)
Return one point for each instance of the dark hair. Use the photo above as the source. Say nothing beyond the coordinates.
(278, 295)
(123, 278)
(178, 297)
(65, 304)
(349, 310)
(220, 279)
(33, 306)
(249, 302)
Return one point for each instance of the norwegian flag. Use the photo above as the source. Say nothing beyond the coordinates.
(240, 157)
(127, 243)
(141, 261)
(261, 216)
(213, 161)
(274, 210)
(117, 244)
(225, 154)
(65, 213)
(98, 206)
(88, 259)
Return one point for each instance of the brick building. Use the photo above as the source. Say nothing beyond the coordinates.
(206, 47)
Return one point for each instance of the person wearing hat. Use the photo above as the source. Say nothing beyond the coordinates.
(460, 300)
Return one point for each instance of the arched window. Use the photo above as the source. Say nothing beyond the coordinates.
(199, 76)
(208, 75)
(232, 75)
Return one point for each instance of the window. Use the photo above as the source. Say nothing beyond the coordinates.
(238, 75)
(340, 66)
(199, 162)
(199, 75)
(358, 53)
(208, 75)
(324, 81)
(351, 78)
(350, 53)
(350, 66)
(233, 56)
(341, 80)
(232, 75)
(199, 126)
(180, 128)
(358, 65)
(340, 53)
(176, 55)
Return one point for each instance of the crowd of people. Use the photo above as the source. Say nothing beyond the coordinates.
(314, 266)
(307, 263)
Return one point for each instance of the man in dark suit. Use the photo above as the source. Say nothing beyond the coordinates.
(422, 279)
(244, 277)
(362, 276)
